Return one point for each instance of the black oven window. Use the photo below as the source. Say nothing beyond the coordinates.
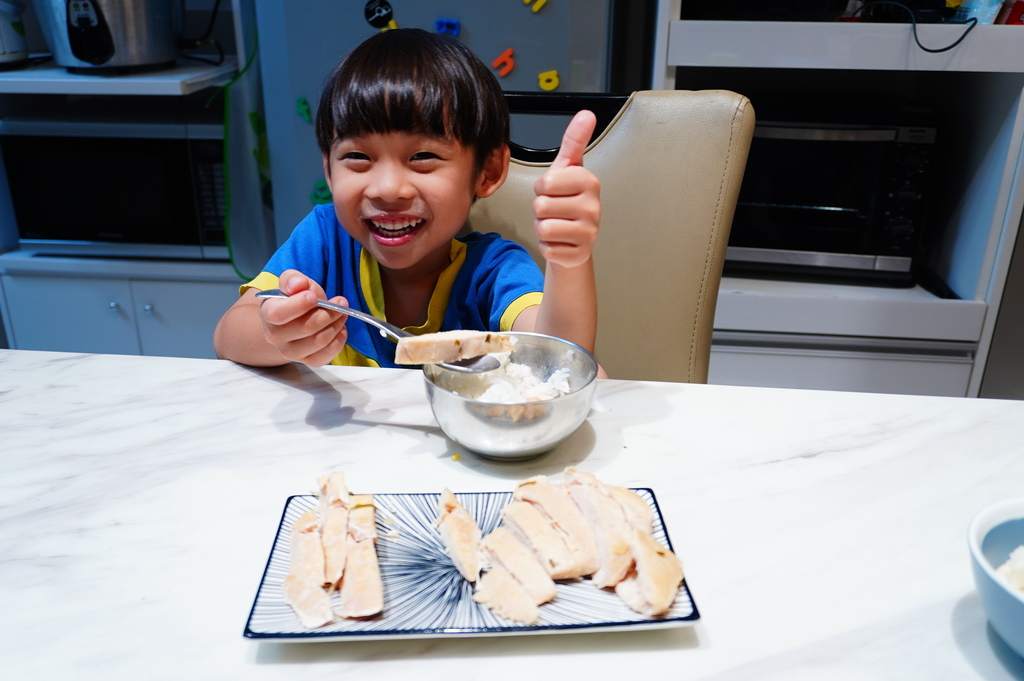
(813, 195)
(101, 189)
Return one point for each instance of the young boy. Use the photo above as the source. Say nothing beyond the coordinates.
(413, 129)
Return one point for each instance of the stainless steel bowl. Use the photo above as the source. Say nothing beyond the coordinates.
(523, 429)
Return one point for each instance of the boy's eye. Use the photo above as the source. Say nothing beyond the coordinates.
(355, 156)
(424, 156)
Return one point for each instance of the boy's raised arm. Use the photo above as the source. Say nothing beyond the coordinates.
(567, 212)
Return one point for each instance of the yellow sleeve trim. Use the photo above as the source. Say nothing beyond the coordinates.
(508, 318)
(262, 282)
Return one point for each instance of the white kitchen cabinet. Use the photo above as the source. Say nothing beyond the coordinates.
(810, 335)
(70, 315)
(176, 319)
(114, 306)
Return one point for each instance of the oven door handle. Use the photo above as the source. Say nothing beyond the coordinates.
(821, 134)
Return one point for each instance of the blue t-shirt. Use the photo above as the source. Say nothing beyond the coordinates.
(489, 282)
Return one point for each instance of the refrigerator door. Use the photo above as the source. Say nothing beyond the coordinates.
(536, 45)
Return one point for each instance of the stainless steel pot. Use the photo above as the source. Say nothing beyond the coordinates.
(118, 35)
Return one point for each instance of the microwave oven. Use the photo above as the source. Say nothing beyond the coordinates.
(840, 200)
(93, 187)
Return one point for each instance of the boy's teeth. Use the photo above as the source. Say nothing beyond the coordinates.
(395, 226)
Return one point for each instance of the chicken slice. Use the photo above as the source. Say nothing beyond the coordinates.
(307, 553)
(608, 521)
(449, 346)
(503, 550)
(499, 591)
(554, 502)
(362, 590)
(334, 510)
(638, 512)
(460, 535)
(303, 586)
(308, 599)
(362, 518)
(529, 526)
(651, 586)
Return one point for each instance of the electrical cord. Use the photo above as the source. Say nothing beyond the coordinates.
(970, 23)
(204, 39)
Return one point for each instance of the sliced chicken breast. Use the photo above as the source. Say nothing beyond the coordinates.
(334, 502)
(362, 518)
(607, 520)
(308, 599)
(460, 535)
(303, 586)
(651, 586)
(556, 505)
(502, 549)
(529, 526)
(449, 346)
(638, 512)
(499, 591)
(307, 552)
(362, 590)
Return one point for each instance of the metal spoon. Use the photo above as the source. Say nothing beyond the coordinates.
(469, 365)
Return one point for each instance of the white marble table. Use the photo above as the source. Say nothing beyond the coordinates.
(823, 534)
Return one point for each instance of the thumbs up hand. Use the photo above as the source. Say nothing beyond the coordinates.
(567, 209)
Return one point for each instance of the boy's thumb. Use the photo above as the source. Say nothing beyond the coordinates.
(575, 140)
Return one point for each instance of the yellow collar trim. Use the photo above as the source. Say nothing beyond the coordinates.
(369, 279)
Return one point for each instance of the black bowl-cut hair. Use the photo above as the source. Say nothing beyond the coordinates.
(410, 80)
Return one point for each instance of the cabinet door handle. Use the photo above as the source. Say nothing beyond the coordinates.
(147, 308)
(113, 305)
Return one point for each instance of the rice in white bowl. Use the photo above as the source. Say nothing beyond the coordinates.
(1012, 571)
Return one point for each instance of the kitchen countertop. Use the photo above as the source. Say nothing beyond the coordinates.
(823, 534)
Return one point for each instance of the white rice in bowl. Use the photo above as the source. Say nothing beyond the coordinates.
(511, 383)
(1012, 571)
(516, 383)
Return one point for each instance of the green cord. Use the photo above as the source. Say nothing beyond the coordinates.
(224, 159)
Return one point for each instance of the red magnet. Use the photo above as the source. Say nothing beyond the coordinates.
(505, 63)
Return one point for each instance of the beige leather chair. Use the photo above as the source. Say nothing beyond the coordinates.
(670, 165)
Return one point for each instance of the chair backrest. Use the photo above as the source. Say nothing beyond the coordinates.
(670, 165)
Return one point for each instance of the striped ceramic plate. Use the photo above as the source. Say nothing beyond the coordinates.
(424, 595)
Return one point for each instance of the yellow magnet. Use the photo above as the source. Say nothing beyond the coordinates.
(548, 80)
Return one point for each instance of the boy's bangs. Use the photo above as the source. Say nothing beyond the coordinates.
(388, 105)
(411, 81)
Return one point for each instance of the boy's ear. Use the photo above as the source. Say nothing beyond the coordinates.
(494, 172)
(327, 167)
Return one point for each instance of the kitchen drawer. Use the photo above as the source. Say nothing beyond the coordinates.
(857, 365)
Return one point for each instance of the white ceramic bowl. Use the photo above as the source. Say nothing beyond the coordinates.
(524, 429)
(993, 534)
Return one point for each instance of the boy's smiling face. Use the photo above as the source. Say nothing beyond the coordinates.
(404, 196)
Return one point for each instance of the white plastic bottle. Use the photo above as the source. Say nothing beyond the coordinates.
(985, 11)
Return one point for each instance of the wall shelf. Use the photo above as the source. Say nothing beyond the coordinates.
(49, 79)
(844, 45)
